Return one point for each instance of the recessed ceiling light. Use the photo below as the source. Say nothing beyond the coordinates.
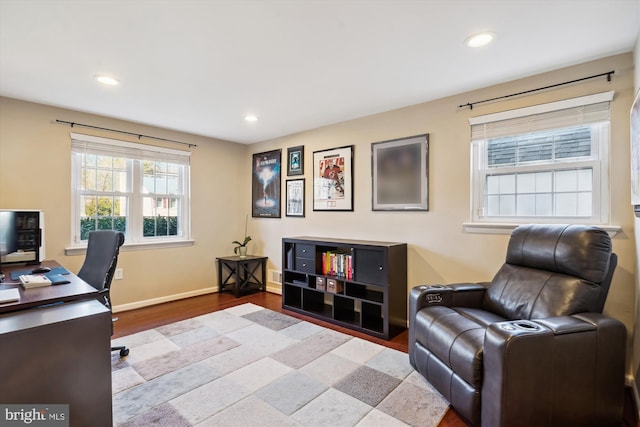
(480, 39)
(107, 80)
(251, 118)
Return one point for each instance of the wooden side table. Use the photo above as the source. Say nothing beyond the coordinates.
(243, 274)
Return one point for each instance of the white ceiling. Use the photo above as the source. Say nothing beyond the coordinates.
(201, 66)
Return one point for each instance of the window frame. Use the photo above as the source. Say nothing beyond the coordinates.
(599, 161)
(135, 155)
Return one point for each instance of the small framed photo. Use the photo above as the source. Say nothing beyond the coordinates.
(265, 185)
(295, 197)
(400, 170)
(295, 160)
(333, 179)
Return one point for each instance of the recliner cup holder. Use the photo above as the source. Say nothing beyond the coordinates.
(527, 326)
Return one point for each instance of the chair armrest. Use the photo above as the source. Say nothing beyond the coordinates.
(577, 323)
(452, 295)
(537, 364)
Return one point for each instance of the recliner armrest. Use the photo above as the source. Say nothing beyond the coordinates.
(565, 324)
(580, 322)
(452, 295)
(542, 360)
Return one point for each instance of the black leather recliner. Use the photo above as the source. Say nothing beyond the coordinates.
(530, 348)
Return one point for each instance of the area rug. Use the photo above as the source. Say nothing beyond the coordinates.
(250, 366)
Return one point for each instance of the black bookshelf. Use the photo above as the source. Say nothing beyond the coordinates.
(358, 284)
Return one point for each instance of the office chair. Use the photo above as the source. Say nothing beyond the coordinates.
(99, 267)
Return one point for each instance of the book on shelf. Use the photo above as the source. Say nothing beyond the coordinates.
(30, 281)
(289, 258)
(337, 264)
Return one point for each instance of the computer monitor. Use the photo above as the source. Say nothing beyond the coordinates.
(8, 234)
(21, 236)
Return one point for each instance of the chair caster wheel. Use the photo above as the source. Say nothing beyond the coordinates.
(124, 352)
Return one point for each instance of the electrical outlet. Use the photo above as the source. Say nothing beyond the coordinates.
(118, 275)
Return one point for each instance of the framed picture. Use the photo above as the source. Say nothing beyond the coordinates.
(265, 185)
(333, 179)
(635, 151)
(400, 169)
(295, 160)
(295, 197)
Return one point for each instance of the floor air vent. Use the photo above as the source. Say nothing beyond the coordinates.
(274, 276)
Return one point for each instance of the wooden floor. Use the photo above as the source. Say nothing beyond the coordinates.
(133, 321)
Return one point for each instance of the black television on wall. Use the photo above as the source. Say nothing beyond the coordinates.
(21, 236)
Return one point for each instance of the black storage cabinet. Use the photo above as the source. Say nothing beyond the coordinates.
(372, 298)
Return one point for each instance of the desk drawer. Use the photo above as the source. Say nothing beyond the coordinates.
(305, 265)
(304, 251)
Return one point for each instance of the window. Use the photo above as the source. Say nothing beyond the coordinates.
(138, 189)
(547, 162)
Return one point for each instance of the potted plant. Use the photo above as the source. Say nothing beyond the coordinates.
(241, 248)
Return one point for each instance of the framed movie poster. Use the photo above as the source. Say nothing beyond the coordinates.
(265, 185)
(295, 197)
(333, 179)
(295, 160)
(400, 170)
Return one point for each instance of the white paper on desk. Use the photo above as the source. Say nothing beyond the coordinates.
(9, 295)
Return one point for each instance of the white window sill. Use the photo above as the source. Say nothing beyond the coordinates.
(505, 228)
(81, 250)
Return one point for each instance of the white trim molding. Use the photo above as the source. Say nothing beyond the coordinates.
(127, 247)
(176, 297)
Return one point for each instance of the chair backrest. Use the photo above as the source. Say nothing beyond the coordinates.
(100, 262)
(552, 270)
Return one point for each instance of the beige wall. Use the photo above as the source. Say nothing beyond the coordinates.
(35, 173)
(636, 340)
(439, 250)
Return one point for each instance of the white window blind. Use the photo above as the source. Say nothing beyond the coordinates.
(547, 162)
(566, 118)
(111, 147)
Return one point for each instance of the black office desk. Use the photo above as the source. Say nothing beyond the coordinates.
(76, 290)
(55, 346)
(59, 354)
(243, 271)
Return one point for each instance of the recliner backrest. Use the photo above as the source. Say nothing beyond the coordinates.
(552, 270)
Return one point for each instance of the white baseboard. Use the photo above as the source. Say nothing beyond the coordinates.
(160, 300)
(274, 288)
(176, 297)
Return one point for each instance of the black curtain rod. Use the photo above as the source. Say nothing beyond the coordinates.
(471, 104)
(139, 135)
